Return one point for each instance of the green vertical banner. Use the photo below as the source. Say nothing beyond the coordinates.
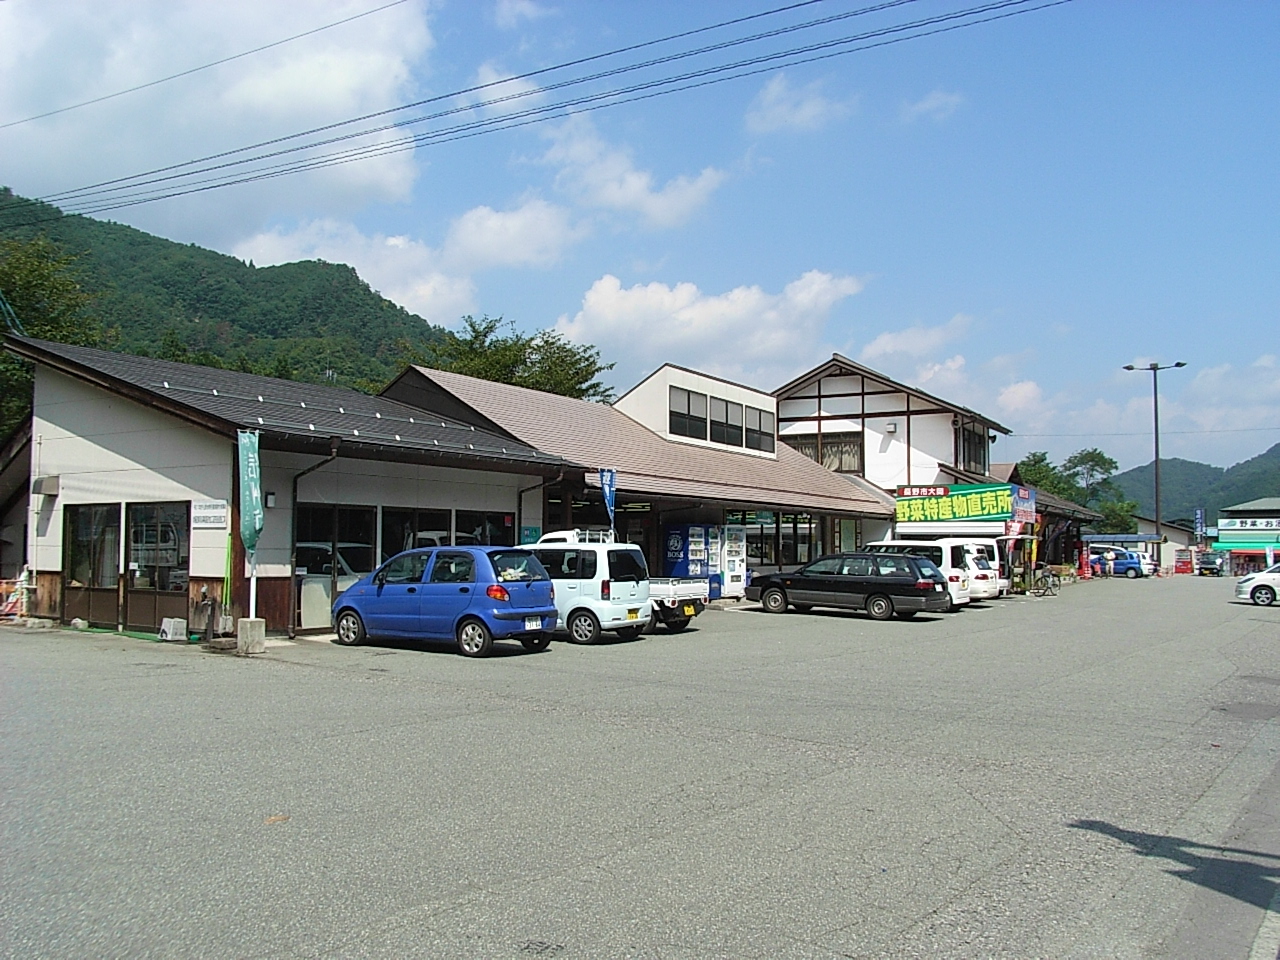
(252, 516)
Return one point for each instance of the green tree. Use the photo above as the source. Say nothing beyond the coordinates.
(1037, 470)
(1091, 471)
(540, 361)
(1117, 516)
(40, 283)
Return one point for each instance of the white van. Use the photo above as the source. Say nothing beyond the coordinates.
(990, 548)
(949, 555)
(600, 584)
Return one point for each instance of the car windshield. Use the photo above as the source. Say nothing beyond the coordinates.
(517, 566)
(980, 562)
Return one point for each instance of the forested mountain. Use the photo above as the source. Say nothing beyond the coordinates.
(160, 296)
(1186, 485)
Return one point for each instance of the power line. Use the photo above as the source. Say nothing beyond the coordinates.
(648, 89)
(463, 92)
(125, 184)
(206, 66)
(1147, 433)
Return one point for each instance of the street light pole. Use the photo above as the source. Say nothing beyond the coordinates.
(1155, 369)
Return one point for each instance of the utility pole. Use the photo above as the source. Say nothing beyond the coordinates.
(1155, 369)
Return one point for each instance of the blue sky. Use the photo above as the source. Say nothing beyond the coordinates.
(1004, 215)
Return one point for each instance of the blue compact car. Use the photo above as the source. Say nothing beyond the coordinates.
(472, 595)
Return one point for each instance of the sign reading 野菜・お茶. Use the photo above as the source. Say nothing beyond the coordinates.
(1248, 523)
(209, 514)
(978, 501)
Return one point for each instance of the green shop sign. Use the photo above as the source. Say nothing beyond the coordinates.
(969, 501)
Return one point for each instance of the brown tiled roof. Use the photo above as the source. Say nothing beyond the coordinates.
(598, 435)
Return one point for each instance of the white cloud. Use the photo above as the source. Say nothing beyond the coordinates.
(534, 234)
(401, 269)
(779, 106)
(915, 341)
(1021, 398)
(81, 49)
(599, 175)
(1266, 360)
(937, 105)
(508, 14)
(434, 283)
(747, 332)
(505, 86)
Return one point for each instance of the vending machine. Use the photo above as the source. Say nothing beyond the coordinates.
(686, 553)
(733, 561)
(715, 555)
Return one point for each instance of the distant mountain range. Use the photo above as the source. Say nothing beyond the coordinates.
(313, 315)
(1186, 485)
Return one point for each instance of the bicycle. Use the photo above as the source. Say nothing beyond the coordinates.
(1045, 583)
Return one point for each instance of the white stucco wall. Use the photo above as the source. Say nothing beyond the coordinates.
(373, 483)
(648, 403)
(885, 450)
(106, 449)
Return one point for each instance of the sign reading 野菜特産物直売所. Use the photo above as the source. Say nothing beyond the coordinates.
(978, 501)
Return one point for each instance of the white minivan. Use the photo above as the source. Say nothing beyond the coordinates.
(950, 556)
(600, 584)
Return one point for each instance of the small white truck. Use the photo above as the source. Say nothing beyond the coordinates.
(677, 600)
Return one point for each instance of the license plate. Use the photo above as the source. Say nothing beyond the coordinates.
(937, 586)
(688, 610)
(633, 614)
(533, 623)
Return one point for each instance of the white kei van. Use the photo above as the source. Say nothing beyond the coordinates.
(949, 556)
(990, 548)
(600, 584)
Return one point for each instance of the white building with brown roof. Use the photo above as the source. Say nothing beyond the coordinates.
(687, 448)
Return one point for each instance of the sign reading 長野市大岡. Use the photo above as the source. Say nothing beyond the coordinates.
(975, 501)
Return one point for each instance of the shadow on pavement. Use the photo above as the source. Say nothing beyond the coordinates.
(1227, 870)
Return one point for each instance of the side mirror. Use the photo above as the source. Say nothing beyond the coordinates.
(380, 578)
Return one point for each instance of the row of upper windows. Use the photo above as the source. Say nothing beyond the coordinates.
(732, 424)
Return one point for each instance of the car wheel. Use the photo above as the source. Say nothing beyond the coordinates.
(879, 607)
(1132, 574)
(677, 625)
(630, 633)
(474, 639)
(536, 642)
(906, 614)
(583, 627)
(1263, 596)
(350, 628)
(774, 601)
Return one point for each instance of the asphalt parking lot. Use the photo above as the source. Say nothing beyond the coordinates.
(1091, 775)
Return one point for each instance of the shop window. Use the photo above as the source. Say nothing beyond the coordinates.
(159, 546)
(475, 528)
(92, 545)
(356, 540)
(759, 429)
(842, 452)
(336, 541)
(688, 414)
(726, 422)
(404, 529)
